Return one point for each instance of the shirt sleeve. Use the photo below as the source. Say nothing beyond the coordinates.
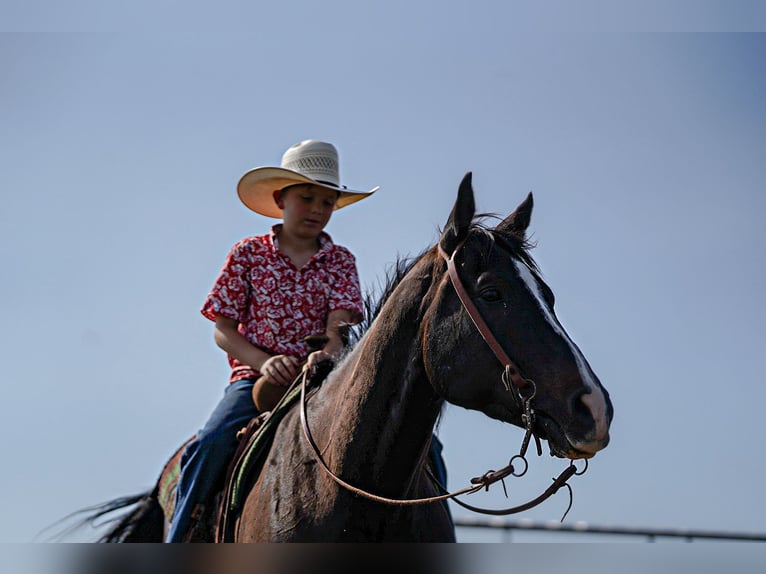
(230, 293)
(346, 293)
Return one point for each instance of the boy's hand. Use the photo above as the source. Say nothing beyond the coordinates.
(280, 369)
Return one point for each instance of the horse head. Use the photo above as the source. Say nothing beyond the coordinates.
(536, 363)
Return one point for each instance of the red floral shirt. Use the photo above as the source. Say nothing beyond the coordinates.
(277, 304)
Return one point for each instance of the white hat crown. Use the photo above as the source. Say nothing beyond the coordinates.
(315, 159)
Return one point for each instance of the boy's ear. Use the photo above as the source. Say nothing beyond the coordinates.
(278, 199)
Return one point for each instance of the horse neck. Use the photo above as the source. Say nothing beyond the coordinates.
(387, 408)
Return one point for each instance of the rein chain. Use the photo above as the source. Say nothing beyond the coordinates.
(511, 378)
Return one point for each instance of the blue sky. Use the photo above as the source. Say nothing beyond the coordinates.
(646, 152)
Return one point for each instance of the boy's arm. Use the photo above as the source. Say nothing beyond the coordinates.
(280, 369)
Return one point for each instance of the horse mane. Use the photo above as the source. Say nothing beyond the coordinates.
(376, 298)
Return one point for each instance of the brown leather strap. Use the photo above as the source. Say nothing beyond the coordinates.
(473, 312)
(558, 482)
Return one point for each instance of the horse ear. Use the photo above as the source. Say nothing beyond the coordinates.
(461, 217)
(518, 221)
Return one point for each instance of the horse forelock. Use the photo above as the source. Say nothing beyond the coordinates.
(518, 246)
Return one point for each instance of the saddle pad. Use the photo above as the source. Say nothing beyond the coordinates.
(166, 492)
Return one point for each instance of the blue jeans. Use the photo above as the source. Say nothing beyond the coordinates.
(206, 458)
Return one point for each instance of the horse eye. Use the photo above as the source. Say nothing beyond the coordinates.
(490, 294)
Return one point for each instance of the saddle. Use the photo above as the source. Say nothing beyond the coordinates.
(214, 520)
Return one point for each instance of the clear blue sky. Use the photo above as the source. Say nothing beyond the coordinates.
(646, 152)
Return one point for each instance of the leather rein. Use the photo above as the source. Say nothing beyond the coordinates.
(523, 391)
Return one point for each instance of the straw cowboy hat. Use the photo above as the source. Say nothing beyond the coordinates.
(309, 161)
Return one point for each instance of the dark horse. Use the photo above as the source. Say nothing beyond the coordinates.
(373, 417)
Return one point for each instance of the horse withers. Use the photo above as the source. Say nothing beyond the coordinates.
(483, 335)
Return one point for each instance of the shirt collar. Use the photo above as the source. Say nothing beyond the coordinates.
(325, 241)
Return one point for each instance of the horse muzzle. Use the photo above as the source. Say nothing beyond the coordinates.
(562, 444)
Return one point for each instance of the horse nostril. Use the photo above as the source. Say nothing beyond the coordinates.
(591, 408)
(581, 411)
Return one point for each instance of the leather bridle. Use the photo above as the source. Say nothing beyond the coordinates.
(514, 382)
(523, 390)
(512, 373)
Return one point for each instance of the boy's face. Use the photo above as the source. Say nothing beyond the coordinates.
(306, 209)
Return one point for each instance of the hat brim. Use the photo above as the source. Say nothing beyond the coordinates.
(256, 189)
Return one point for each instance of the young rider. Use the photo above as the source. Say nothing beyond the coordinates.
(273, 291)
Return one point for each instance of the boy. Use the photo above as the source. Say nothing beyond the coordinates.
(274, 291)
